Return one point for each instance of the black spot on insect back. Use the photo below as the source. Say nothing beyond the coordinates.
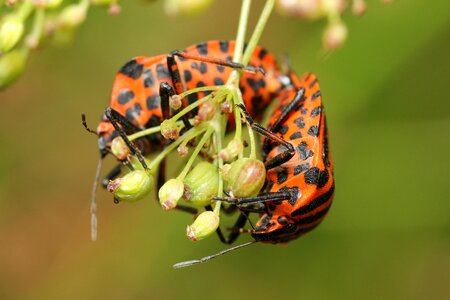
(220, 68)
(203, 68)
(202, 48)
(282, 176)
(137, 108)
(283, 129)
(224, 46)
(314, 203)
(312, 175)
(301, 168)
(162, 72)
(313, 130)
(125, 96)
(300, 122)
(153, 102)
(313, 83)
(316, 111)
(132, 69)
(295, 135)
(303, 151)
(262, 54)
(315, 95)
(218, 81)
(323, 178)
(192, 98)
(201, 84)
(148, 78)
(187, 75)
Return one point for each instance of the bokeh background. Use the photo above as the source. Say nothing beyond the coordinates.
(387, 100)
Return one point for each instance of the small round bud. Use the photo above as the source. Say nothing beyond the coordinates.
(185, 7)
(114, 9)
(170, 193)
(359, 7)
(334, 36)
(202, 182)
(233, 149)
(119, 149)
(11, 31)
(205, 225)
(226, 107)
(175, 102)
(183, 150)
(72, 15)
(206, 111)
(12, 65)
(303, 9)
(131, 187)
(333, 6)
(169, 129)
(245, 177)
(49, 4)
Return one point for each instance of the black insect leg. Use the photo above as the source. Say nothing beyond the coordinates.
(236, 229)
(288, 194)
(116, 118)
(279, 159)
(165, 92)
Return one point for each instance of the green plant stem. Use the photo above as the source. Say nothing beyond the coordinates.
(200, 89)
(149, 131)
(262, 21)
(190, 107)
(242, 28)
(190, 134)
(25, 9)
(197, 149)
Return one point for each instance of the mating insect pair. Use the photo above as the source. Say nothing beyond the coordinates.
(299, 184)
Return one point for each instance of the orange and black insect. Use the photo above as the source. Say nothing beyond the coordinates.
(299, 183)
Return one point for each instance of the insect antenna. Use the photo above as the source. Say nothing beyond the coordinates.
(207, 258)
(94, 201)
(83, 121)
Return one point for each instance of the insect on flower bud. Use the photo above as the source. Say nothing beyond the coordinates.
(72, 15)
(233, 149)
(334, 36)
(170, 193)
(119, 149)
(202, 182)
(131, 187)
(175, 102)
(184, 7)
(12, 65)
(245, 177)
(169, 129)
(11, 31)
(205, 225)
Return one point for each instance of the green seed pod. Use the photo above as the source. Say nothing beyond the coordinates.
(202, 183)
(12, 65)
(169, 129)
(11, 31)
(170, 193)
(119, 149)
(136, 164)
(131, 187)
(246, 177)
(205, 225)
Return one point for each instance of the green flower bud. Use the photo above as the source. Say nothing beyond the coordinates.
(175, 102)
(131, 187)
(12, 65)
(119, 149)
(169, 129)
(246, 177)
(170, 193)
(334, 36)
(233, 149)
(11, 31)
(202, 182)
(72, 15)
(205, 225)
(206, 112)
(176, 7)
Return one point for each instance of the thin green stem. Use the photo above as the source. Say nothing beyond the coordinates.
(190, 134)
(194, 155)
(200, 89)
(190, 107)
(242, 28)
(25, 9)
(262, 21)
(149, 131)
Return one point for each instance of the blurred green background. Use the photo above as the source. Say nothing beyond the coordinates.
(386, 237)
